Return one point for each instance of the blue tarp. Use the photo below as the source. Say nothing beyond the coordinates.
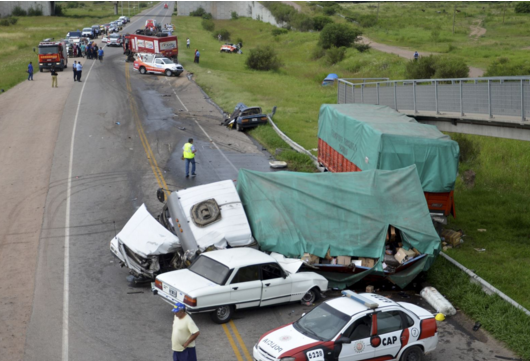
(330, 79)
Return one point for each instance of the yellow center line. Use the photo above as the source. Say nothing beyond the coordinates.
(143, 138)
(241, 343)
(232, 343)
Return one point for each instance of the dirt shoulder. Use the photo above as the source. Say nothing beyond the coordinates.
(408, 54)
(29, 122)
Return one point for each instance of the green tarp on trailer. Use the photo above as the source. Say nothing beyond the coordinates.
(348, 213)
(378, 137)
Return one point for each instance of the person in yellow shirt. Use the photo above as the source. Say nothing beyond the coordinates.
(185, 331)
(188, 154)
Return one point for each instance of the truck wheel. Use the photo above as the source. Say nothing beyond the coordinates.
(40, 69)
(222, 314)
(168, 72)
(413, 353)
(142, 70)
(311, 296)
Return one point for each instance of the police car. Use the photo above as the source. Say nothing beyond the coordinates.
(352, 328)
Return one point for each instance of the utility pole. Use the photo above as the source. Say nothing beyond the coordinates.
(115, 8)
(454, 15)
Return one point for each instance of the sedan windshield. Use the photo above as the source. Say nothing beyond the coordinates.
(322, 323)
(210, 269)
(87, 29)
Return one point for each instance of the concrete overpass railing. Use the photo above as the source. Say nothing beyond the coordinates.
(502, 99)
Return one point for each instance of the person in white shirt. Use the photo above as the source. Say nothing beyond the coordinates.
(185, 331)
(79, 70)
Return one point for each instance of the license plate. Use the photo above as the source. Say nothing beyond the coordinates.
(315, 355)
(254, 119)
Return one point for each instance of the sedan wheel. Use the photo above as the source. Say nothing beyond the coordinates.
(310, 296)
(222, 314)
(413, 353)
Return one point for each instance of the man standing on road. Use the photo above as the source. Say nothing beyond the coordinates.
(100, 54)
(188, 154)
(74, 68)
(30, 71)
(79, 71)
(188, 43)
(185, 331)
(83, 50)
(54, 77)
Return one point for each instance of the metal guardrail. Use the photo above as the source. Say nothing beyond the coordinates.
(494, 97)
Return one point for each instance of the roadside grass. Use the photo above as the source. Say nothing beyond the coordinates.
(505, 322)
(18, 41)
(414, 25)
(295, 89)
(498, 202)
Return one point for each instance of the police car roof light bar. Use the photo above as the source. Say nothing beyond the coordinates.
(360, 299)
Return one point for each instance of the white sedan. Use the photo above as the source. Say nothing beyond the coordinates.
(221, 281)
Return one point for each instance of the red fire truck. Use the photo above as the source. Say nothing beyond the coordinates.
(52, 53)
(165, 45)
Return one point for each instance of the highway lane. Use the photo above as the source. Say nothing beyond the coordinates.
(110, 176)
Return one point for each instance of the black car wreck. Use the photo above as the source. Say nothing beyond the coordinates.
(245, 117)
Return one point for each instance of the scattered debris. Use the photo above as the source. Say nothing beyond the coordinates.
(480, 249)
(481, 230)
(117, 123)
(437, 301)
(130, 293)
(182, 128)
(477, 326)
(277, 164)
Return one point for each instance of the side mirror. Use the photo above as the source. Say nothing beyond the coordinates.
(343, 339)
(303, 314)
(161, 195)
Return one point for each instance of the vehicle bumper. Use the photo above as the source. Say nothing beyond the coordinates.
(177, 72)
(48, 65)
(258, 356)
(172, 300)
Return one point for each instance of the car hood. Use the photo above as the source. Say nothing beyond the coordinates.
(285, 339)
(146, 237)
(186, 281)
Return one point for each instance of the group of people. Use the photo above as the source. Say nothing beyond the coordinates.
(94, 52)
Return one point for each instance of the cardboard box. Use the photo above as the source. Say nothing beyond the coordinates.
(370, 289)
(367, 262)
(310, 258)
(451, 237)
(403, 255)
(344, 260)
(357, 263)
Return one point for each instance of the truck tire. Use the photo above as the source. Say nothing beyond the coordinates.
(40, 69)
(222, 314)
(142, 70)
(168, 72)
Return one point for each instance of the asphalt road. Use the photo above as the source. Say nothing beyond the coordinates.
(119, 139)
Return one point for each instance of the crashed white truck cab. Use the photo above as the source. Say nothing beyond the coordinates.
(193, 220)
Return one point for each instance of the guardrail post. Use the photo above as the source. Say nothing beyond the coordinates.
(377, 88)
(414, 95)
(436, 95)
(461, 100)
(489, 99)
(353, 93)
(395, 97)
(362, 93)
(338, 91)
(522, 101)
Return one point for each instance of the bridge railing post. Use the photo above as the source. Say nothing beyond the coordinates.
(395, 96)
(461, 100)
(523, 118)
(377, 89)
(436, 96)
(362, 93)
(353, 93)
(489, 99)
(414, 95)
